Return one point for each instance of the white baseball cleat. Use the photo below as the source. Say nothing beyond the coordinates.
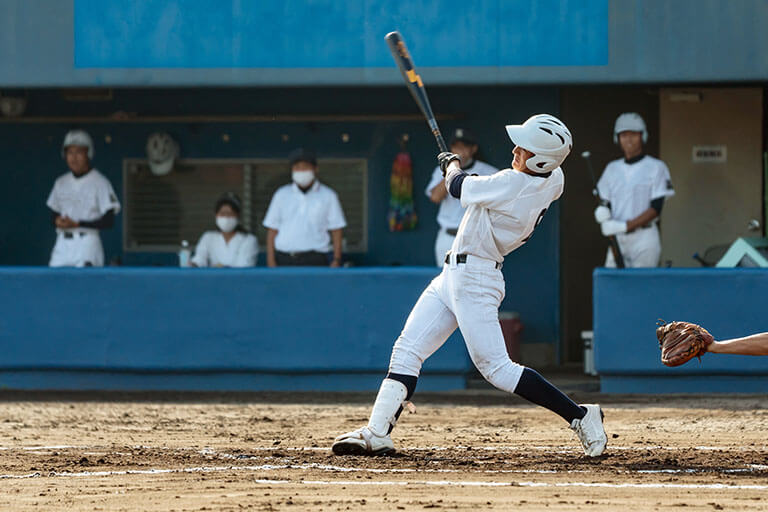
(590, 430)
(363, 441)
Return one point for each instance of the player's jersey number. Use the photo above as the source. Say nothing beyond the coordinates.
(535, 225)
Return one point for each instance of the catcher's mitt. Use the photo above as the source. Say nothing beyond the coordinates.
(682, 341)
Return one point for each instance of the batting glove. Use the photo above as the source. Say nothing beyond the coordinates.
(602, 214)
(612, 227)
(445, 158)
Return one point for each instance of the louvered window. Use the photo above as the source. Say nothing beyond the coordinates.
(161, 211)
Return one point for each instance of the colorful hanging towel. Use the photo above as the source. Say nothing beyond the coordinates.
(402, 215)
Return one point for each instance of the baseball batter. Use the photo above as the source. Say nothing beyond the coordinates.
(82, 202)
(502, 211)
(636, 187)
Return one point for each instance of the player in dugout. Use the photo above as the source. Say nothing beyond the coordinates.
(82, 202)
(502, 212)
(635, 187)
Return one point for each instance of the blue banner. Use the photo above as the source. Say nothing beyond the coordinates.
(292, 34)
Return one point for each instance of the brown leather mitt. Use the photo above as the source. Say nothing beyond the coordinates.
(682, 341)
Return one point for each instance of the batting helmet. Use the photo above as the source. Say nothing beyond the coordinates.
(546, 137)
(629, 122)
(162, 150)
(77, 138)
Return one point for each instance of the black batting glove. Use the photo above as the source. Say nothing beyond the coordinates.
(445, 158)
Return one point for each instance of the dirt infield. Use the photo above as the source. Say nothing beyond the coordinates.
(270, 452)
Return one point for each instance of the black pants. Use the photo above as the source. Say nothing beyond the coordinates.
(301, 259)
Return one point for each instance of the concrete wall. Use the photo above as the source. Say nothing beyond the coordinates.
(729, 303)
(204, 329)
(194, 42)
(731, 190)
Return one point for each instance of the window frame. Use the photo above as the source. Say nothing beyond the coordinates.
(130, 163)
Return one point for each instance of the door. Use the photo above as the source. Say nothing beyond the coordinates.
(711, 139)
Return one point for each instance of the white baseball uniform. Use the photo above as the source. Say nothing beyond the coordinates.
(214, 251)
(502, 211)
(302, 220)
(84, 198)
(451, 211)
(630, 188)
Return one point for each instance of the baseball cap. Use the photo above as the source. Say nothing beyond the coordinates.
(302, 155)
(462, 135)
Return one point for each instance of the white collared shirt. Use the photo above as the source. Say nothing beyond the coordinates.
(86, 198)
(450, 212)
(502, 211)
(302, 220)
(214, 251)
(631, 187)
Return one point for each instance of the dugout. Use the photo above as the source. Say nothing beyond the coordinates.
(238, 106)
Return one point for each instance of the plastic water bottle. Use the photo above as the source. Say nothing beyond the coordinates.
(184, 254)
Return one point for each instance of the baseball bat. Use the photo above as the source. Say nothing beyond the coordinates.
(612, 241)
(413, 82)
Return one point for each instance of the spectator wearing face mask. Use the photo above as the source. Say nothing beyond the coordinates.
(304, 220)
(229, 245)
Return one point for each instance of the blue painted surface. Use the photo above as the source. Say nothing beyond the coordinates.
(248, 327)
(333, 34)
(728, 302)
(49, 43)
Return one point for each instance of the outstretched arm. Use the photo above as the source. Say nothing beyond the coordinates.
(754, 345)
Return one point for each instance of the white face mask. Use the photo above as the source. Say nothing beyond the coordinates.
(226, 224)
(303, 178)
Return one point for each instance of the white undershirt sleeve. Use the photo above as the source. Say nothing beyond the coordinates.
(662, 183)
(494, 191)
(336, 218)
(435, 180)
(53, 200)
(106, 198)
(201, 252)
(603, 186)
(272, 218)
(247, 253)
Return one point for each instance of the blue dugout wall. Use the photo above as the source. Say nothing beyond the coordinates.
(211, 329)
(297, 42)
(730, 303)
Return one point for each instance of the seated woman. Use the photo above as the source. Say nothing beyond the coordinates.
(230, 245)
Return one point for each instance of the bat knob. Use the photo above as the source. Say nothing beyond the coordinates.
(586, 154)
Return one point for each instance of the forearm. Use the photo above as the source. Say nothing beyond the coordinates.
(454, 177)
(439, 192)
(271, 234)
(336, 237)
(642, 219)
(754, 345)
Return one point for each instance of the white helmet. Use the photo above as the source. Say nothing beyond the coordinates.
(162, 150)
(546, 137)
(77, 138)
(629, 122)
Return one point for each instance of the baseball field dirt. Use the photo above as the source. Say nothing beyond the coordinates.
(460, 451)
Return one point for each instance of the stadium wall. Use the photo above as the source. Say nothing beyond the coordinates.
(194, 42)
(211, 329)
(730, 303)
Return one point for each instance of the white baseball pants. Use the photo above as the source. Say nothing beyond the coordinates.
(466, 295)
(83, 248)
(443, 244)
(641, 248)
